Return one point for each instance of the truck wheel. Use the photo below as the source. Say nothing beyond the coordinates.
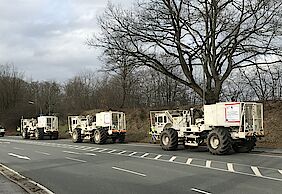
(55, 135)
(219, 141)
(25, 134)
(121, 138)
(244, 147)
(100, 136)
(2, 134)
(39, 134)
(169, 139)
(76, 136)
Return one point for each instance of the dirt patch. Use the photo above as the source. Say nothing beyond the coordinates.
(272, 125)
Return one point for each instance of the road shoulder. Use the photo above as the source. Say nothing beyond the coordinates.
(13, 182)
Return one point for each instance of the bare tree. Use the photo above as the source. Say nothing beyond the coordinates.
(217, 35)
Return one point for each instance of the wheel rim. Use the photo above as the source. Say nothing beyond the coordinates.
(214, 142)
(165, 140)
(97, 136)
(36, 134)
(74, 136)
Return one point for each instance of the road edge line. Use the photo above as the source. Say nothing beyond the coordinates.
(9, 173)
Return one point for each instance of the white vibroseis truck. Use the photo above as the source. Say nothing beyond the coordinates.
(98, 128)
(40, 127)
(222, 127)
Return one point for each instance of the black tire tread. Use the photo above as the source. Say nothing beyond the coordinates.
(103, 136)
(40, 132)
(173, 136)
(225, 141)
(78, 140)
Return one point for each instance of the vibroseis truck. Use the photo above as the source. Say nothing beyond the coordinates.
(98, 128)
(222, 127)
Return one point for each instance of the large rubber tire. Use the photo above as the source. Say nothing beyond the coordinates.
(39, 133)
(244, 146)
(2, 134)
(25, 134)
(121, 138)
(100, 136)
(76, 136)
(55, 135)
(219, 141)
(169, 139)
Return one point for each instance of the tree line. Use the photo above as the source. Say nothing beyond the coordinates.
(121, 89)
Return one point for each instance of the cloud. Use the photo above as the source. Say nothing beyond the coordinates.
(46, 39)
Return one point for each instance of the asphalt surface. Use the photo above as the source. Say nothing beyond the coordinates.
(66, 167)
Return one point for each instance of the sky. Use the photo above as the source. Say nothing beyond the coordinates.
(45, 39)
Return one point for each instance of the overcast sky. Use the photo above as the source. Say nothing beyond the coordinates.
(45, 39)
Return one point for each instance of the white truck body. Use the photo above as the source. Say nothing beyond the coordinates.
(40, 127)
(109, 124)
(242, 120)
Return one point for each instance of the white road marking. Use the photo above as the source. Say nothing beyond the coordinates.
(44, 153)
(70, 152)
(230, 167)
(172, 158)
(19, 156)
(87, 148)
(129, 171)
(144, 155)
(16, 148)
(189, 161)
(265, 155)
(90, 154)
(141, 145)
(94, 149)
(33, 182)
(199, 191)
(208, 163)
(102, 150)
(122, 152)
(111, 151)
(132, 153)
(280, 171)
(42, 187)
(157, 157)
(74, 159)
(7, 142)
(256, 171)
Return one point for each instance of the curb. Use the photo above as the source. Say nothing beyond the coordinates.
(26, 184)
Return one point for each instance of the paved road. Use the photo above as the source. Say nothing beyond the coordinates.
(65, 167)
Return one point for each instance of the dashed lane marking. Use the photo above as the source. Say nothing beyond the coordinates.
(44, 153)
(256, 171)
(189, 161)
(129, 171)
(144, 155)
(102, 150)
(200, 191)
(172, 158)
(90, 154)
(208, 163)
(230, 167)
(133, 153)
(249, 170)
(16, 148)
(157, 157)
(74, 159)
(19, 156)
(70, 152)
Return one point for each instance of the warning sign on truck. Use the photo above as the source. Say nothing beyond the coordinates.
(232, 112)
